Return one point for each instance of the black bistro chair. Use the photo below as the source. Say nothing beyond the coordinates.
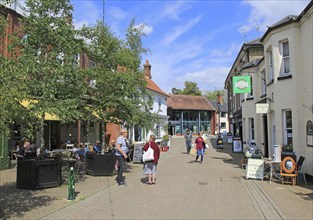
(299, 166)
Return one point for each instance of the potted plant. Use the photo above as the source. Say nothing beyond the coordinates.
(287, 148)
(165, 143)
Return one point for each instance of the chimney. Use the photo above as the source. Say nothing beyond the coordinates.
(147, 69)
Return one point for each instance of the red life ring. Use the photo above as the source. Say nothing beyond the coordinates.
(293, 168)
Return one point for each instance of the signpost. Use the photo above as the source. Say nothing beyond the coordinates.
(137, 157)
(237, 145)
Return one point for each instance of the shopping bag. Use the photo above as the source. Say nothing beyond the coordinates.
(193, 151)
(148, 155)
(206, 146)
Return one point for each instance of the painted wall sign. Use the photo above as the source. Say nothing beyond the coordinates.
(242, 84)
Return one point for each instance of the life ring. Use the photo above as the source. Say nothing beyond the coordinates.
(293, 168)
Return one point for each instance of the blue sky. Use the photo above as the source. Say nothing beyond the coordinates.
(195, 40)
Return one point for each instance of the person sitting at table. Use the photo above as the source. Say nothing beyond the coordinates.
(24, 148)
(97, 147)
(111, 148)
(81, 150)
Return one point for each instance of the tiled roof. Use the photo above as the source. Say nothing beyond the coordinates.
(189, 102)
(153, 87)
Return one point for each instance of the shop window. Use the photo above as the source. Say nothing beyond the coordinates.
(287, 126)
(223, 125)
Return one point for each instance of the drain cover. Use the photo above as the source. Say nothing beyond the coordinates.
(203, 183)
(230, 179)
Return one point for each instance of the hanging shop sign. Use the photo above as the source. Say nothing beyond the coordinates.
(262, 108)
(241, 84)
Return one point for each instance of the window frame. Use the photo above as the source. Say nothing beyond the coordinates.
(270, 64)
(286, 129)
(263, 82)
(251, 130)
(285, 57)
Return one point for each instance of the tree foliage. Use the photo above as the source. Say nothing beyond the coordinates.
(45, 66)
(45, 70)
(212, 95)
(191, 88)
(119, 94)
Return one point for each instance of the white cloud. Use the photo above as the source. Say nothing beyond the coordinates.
(266, 13)
(170, 37)
(146, 29)
(117, 13)
(207, 79)
(86, 12)
(174, 10)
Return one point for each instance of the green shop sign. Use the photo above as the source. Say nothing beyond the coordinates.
(242, 84)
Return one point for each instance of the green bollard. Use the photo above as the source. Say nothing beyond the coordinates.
(71, 183)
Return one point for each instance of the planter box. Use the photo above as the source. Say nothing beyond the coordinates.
(38, 174)
(100, 164)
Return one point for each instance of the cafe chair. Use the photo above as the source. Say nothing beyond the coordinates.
(288, 169)
(299, 166)
(80, 164)
(129, 154)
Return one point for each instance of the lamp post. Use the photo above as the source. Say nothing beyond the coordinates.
(219, 102)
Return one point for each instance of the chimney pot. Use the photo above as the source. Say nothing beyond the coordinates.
(147, 69)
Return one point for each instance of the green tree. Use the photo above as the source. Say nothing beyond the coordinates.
(119, 94)
(47, 68)
(191, 88)
(212, 95)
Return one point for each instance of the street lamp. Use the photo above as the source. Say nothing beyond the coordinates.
(219, 102)
(219, 140)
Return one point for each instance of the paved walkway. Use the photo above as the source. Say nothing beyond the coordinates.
(215, 189)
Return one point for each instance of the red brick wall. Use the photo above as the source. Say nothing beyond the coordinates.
(113, 131)
(13, 26)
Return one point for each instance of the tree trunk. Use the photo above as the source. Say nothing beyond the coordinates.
(42, 130)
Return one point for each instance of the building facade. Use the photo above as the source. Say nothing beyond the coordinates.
(193, 113)
(288, 49)
(279, 111)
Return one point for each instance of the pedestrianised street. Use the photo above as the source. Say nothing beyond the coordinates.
(215, 189)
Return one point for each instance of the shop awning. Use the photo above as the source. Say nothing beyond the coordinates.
(48, 117)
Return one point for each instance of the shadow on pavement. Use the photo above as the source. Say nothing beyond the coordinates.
(16, 202)
(234, 158)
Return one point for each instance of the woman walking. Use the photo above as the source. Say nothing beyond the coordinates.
(150, 167)
(199, 146)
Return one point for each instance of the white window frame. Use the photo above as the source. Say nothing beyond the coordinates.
(159, 104)
(285, 59)
(270, 65)
(250, 95)
(287, 131)
(251, 130)
(263, 82)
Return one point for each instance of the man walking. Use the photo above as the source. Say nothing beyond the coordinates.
(188, 139)
(121, 150)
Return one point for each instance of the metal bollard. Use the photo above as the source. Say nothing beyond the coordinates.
(71, 182)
